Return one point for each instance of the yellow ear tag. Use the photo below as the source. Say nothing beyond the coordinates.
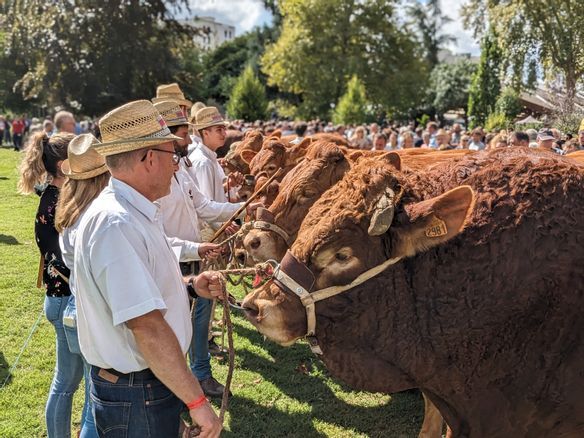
(437, 228)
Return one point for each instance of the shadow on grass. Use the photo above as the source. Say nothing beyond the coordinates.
(4, 178)
(9, 240)
(292, 372)
(4, 369)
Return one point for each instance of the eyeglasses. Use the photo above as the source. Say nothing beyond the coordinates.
(175, 156)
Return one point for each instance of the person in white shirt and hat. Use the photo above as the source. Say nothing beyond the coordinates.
(182, 210)
(132, 304)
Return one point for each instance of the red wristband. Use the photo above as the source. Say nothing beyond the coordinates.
(197, 403)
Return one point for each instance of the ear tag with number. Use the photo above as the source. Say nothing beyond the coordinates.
(437, 228)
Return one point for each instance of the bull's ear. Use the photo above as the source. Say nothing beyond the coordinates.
(247, 155)
(277, 133)
(392, 158)
(433, 221)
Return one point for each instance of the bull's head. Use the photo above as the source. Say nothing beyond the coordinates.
(355, 226)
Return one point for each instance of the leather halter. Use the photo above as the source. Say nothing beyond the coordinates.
(265, 222)
(294, 276)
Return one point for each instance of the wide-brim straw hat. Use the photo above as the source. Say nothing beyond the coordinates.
(196, 107)
(172, 113)
(83, 161)
(207, 117)
(171, 92)
(135, 125)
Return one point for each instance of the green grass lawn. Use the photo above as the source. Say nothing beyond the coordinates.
(276, 391)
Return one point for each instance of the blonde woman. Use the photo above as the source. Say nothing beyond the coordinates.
(40, 171)
(359, 139)
(87, 176)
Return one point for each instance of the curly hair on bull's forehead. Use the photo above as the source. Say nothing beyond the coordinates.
(345, 204)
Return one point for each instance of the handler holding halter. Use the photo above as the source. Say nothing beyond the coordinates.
(133, 310)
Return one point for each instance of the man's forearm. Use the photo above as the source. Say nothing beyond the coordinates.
(160, 348)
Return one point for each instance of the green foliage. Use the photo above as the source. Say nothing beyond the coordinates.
(547, 33)
(92, 56)
(325, 42)
(248, 100)
(428, 20)
(497, 121)
(486, 83)
(352, 107)
(508, 104)
(423, 119)
(282, 108)
(449, 86)
(225, 64)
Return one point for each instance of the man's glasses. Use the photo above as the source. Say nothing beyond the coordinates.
(175, 156)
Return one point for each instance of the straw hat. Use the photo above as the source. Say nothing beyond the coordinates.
(171, 92)
(83, 161)
(135, 125)
(208, 116)
(172, 113)
(196, 107)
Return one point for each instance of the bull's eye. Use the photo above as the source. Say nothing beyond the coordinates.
(341, 257)
(309, 193)
(271, 168)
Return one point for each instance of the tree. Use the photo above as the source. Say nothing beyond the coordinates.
(352, 107)
(449, 86)
(486, 83)
(428, 20)
(324, 42)
(508, 104)
(94, 55)
(547, 32)
(248, 100)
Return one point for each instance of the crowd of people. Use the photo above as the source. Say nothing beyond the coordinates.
(127, 209)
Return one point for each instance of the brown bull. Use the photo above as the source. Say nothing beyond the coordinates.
(325, 164)
(482, 308)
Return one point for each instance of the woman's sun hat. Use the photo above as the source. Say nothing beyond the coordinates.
(135, 125)
(208, 116)
(83, 161)
(171, 92)
(172, 113)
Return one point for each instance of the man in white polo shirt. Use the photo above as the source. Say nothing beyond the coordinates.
(133, 311)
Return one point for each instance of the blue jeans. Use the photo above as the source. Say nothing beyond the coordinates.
(135, 405)
(88, 429)
(199, 356)
(68, 374)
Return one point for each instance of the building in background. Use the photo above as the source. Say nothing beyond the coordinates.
(211, 34)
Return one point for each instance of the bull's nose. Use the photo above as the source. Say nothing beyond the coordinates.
(240, 256)
(249, 307)
(255, 243)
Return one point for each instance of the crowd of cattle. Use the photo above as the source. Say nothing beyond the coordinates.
(481, 308)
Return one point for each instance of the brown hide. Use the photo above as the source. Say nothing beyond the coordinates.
(324, 165)
(252, 141)
(488, 324)
(337, 139)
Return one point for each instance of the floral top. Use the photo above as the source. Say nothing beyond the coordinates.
(47, 239)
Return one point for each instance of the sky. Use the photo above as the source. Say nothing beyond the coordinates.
(245, 14)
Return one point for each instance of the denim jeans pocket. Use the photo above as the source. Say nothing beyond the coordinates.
(111, 418)
(54, 308)
(157, 393)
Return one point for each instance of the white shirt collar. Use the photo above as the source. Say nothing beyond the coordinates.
(207, 152)
(134, 198)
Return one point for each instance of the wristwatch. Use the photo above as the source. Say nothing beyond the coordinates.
(191, 288)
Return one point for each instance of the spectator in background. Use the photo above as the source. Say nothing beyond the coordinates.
(425, 139)
(456, 135)
(546, 140)
(48, 127)
(520, 138)
(300, 130)
(432, 128)
(373, 131)
(581, 136)
(65, 122)
(532, 133)
(464, 142)
(392, 141)
(498, 141)
(443, 140)
(476, 143)
(570, 146)
(407, 140)
(379, 142)
(3, 127)
(359, 139)
(18, 127)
